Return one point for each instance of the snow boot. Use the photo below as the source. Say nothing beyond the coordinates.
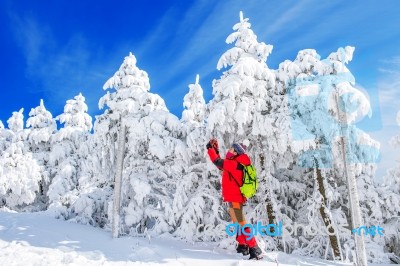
(244, 249)
(255, 253)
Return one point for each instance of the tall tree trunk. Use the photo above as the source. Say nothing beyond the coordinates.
(270, 210)
(354, 202)
(268, 201)
(324, 214)
(117, 182)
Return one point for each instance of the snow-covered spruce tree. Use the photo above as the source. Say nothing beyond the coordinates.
(14, 132)
(363, 152)
(93, 189)
(65, 158)
(196, 201)
(248, 105)
(290, 189)
(239, 93)
(153, 159)
(19, 172)
(41, 126)
(287, 177)
(3, 137)
(304, 205)
(323, 99)
(195, 106)
(390, 202)
(392, 178)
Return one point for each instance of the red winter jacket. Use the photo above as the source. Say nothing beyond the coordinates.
(232, 169)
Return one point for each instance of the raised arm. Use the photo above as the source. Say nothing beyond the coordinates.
(222, 164)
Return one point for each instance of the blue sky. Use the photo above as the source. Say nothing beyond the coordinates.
(52, 50)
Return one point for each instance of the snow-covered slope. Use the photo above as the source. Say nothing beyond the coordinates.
(38, 239)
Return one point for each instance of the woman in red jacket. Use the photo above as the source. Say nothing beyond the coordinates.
(232, 179)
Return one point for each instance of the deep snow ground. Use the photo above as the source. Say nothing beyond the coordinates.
(38, 239)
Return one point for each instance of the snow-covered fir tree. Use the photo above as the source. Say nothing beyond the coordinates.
(2, 136)
(390, 201)
(363, 152)
(195, 106)
(305, 191)
(196, 200)
(19, 172)
(65, 158)
(320, 92)
(239, 93)
(16, 122)
(248, 105)
(153, 159)
(393, 175)
(41, 126)
(89, 206)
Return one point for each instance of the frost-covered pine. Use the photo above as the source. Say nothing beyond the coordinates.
(304, 81)
(302, 190)
(393, 175)
(19, 172)
(195, 105)
(99, 172)
(65, 158)
(287, 178)
(41, 126)
(362, 155)
(153, 165)
(322, 98)
(153, 158)
(196, 201)
(390, 202)
(16, 121)
(75, 116)
(15, 131)
(130, 85)
(2, 137)
(247, 106)
(246, 45)
(239, 93)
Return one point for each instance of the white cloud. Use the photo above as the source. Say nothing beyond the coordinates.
(392, 67)
(44, 57)
(291, 16)
(393, 61)
(31, 37)
(389, 95)
(59, 70)
(194, 48)
(389, 90)
(389, 154)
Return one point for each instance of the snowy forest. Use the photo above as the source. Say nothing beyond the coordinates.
(299, 121)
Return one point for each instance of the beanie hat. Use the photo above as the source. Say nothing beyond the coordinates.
(239, 148)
